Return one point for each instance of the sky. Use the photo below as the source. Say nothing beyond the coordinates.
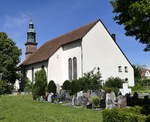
(53, 18)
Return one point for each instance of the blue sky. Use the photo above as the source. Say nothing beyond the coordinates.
(55, 17)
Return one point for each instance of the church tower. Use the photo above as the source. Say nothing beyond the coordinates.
(31, 44)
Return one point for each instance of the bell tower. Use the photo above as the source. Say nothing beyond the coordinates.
(31, 44)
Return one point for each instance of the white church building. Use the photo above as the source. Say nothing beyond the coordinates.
(71, 55)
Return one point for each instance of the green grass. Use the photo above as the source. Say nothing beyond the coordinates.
(23, 109)
(142, 91)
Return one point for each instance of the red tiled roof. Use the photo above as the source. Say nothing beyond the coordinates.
(143, 71)
(50, 47)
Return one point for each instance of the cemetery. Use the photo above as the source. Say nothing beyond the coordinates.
(110, 103)
(114, 99)
(93, 73)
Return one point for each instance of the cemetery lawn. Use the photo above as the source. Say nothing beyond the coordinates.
(22, 108)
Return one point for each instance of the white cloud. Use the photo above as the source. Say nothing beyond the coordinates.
(16, 27)
(15, 21)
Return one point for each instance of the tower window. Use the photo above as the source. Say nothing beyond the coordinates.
(119, 69)
(126, 69)
(70, 68)
(74, 68)
(27, 48)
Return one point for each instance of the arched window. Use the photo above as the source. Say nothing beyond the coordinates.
(70, 69)
(74, 68)
(32, 74)
(119, 69)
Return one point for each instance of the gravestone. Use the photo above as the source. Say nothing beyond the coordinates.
(93, 94)
(123, 102)
(67, 96)
(129, 100)
(79, 97)
(49, 98)
(73, 100)
(102, 103)
(99, 93)
(135, 99)
(85, 100)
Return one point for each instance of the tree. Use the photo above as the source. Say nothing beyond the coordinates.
(9, 58)
(76, 86)
(135, 16)
(66, 85)
(27, 85)
(3, 87)
(52, 87)
(137, 72)
(114, 83)
(39, 88)
(90, 81)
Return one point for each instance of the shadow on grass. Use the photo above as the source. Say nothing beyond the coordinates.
(2, 118)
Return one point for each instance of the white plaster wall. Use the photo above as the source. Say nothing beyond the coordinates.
(70, 51)
(55, 67)
(36, 67)
(100, 50)
(58, 62)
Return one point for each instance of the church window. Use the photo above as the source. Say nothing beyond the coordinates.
(32, 74)
(126, 69)
(126, 79)
(42, 67)
(70, 69)
(74, 68)
(119, 69)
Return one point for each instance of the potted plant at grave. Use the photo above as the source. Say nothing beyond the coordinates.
(95, 102)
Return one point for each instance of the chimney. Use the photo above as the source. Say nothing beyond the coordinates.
(113, 36)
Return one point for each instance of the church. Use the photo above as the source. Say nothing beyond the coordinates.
(69, 56)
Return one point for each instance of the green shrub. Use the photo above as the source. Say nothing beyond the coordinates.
(27, 85)
(75, 86)
(90, 81)
(135, 109)
(123, 115)
(52, 87)
(3, 86)
(39, 88)
(138, 86)
(148, 118)
(96, 101)
(114, 83)
(66, 85)
(146, 81)
(146, 110)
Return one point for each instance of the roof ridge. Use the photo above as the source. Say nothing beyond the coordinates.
(57, 42)
(72, 31)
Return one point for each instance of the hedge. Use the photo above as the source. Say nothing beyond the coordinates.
(124, 115)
